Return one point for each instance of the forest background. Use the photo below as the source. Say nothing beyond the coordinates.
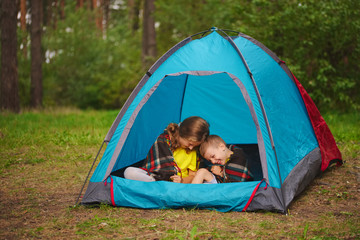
(92, 53)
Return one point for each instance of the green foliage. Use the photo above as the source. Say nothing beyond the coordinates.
(319, 41)
(180, 19)
(86, 69)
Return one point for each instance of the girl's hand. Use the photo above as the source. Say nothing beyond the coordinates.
(217, 170)
(189, 178)
(176, 178)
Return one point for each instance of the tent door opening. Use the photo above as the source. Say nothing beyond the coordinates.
(212, 96)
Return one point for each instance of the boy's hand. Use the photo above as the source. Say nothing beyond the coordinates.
(217, 170)
(176, 178)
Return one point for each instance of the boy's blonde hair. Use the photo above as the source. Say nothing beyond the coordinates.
(211, 141)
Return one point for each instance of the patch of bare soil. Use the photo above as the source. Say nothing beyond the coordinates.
(32, 207)
(336, 184)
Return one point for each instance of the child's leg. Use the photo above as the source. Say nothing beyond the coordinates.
(139, 174)
(202, 175)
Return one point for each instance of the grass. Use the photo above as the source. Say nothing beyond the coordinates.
(45, 157)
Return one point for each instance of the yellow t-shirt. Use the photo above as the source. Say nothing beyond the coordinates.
(185, 161)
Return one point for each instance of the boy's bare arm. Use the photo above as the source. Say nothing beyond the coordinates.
(217, 170)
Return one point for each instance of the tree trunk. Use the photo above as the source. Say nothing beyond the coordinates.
(98, 8)
(106, 14)
(23, 26)
(9, 69)
(23, 15)
(54, 13)
(134, 10)
(79, 4)
(149, 35)
(36, 55)
(62, 9)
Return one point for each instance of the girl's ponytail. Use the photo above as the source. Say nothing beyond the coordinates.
(173, 130)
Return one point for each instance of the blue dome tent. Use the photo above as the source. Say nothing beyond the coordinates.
(249, 97)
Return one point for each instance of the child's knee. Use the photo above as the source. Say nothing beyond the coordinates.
(130, 173)
(139, 174)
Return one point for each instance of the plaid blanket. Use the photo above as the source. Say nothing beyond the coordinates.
(160, 157)
(236, 169)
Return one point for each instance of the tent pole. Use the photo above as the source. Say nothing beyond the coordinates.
(211, 30)
(260, 101)
(255, 87)
(92, 166)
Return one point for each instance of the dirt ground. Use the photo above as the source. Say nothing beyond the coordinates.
(36, 202)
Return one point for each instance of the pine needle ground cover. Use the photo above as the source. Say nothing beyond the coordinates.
(45, 157)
